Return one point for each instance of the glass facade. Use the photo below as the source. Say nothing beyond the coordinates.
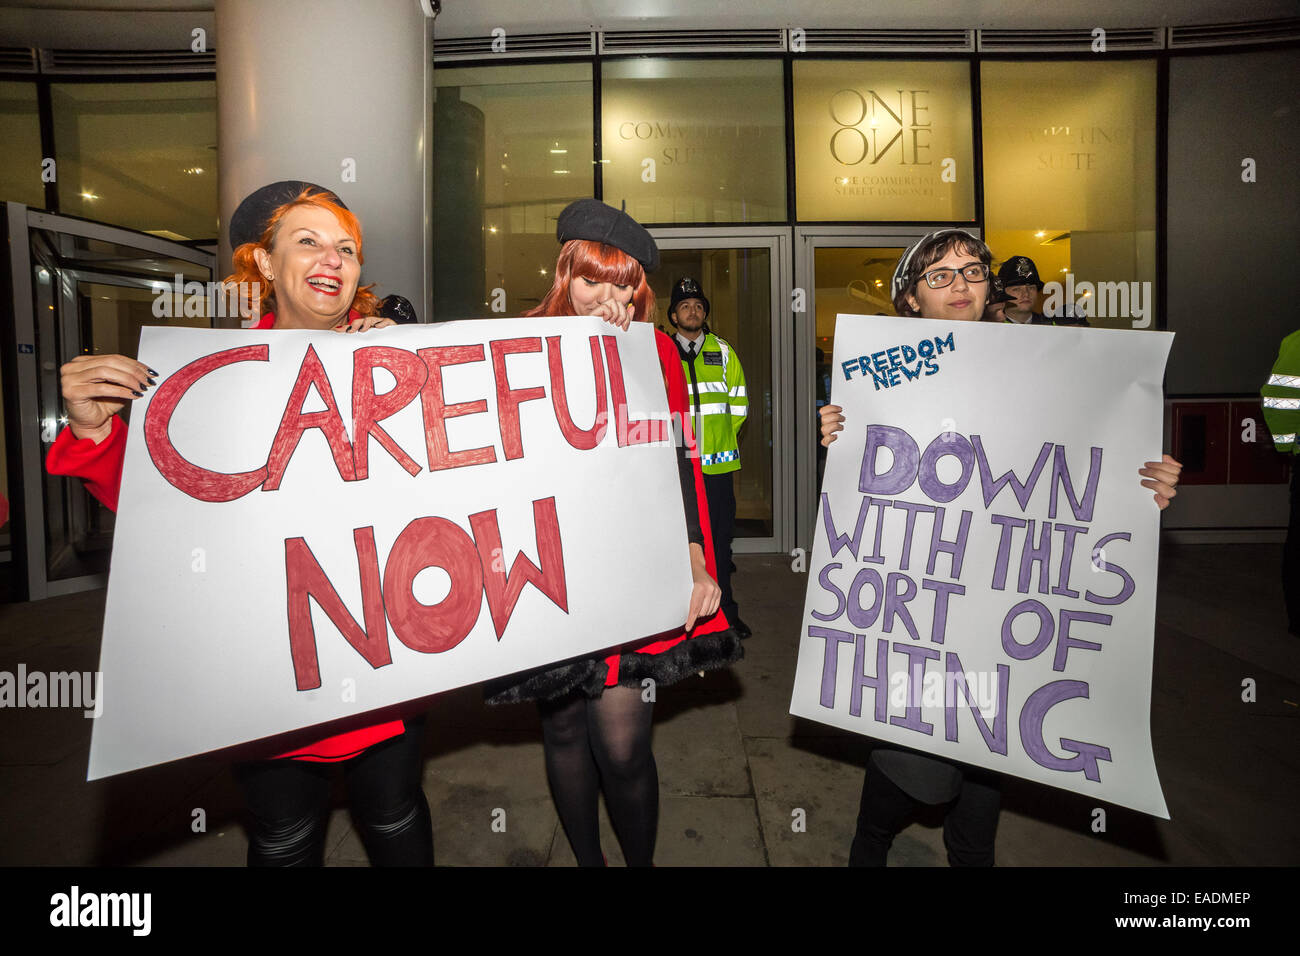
(20, 131)
(1070, 179)
(689, 141)
(140, 155)
(1067, 166)
(512, 146)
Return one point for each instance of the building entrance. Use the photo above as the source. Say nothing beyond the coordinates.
(745, 273)
(76, 288)
(842, 270)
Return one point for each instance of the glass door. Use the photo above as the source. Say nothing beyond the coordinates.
(745, 274)
(77, 288)
(841, 269)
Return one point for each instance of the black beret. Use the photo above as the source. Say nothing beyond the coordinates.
(250, 218)
(594, 220)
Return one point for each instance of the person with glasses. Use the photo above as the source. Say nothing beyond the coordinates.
(943, 276)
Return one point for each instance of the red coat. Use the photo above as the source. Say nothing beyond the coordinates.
(100, 466)
(662, 658)
(675, 384)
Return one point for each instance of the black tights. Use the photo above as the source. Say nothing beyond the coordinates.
(605, 741)
(289, 800)
(969, 826)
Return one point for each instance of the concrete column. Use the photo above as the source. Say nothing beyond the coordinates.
(336, 93)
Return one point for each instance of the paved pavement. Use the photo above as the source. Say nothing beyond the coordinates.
(734, 766)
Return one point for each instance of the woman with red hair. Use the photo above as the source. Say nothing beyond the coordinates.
(596, 720)
(301, 248)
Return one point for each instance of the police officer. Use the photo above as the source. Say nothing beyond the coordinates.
(995, 309)
(1019, 277)
(715, 384)
(1281, 396)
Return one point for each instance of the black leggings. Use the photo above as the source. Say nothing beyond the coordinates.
(289, 800)
(969, 827)
(598, 743)
(721, 493)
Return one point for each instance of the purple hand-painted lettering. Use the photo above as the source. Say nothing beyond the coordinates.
(901, 471)
(1031, 731)
(824, 579)
(916, 655)
(1046, 628)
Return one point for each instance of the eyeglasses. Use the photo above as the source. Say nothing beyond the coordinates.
(942, 278)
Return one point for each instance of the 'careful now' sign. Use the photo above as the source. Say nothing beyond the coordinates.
(314, 525)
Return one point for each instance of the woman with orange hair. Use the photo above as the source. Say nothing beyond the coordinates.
(595, 719)
(302, 246)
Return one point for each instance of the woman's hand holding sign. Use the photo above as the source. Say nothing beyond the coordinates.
(615, 313)
(364, 322)
(832, 422)
(97, 387)
(706, 596)
(1161, 477)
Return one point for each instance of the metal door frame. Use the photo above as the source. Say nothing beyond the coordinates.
(808, 239)
(22, 221)
(777, 240)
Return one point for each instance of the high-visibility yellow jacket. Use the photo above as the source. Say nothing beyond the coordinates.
(715, 385)
(1282, 396)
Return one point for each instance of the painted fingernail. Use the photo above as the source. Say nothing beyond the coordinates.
(151, 381)
(137, 394)
(150, 371)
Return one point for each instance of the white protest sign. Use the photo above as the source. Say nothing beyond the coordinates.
(313, 525)
(983, 577)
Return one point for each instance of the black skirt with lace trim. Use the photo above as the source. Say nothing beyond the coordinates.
(587, 675)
